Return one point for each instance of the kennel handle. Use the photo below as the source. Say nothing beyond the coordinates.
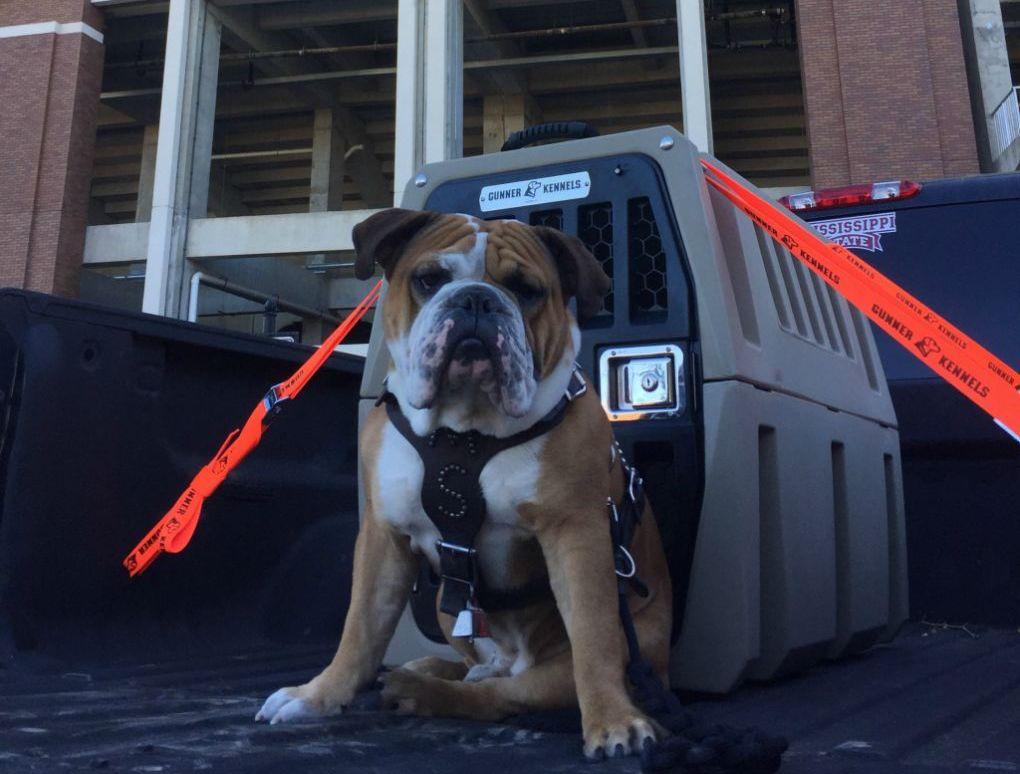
(556, 130)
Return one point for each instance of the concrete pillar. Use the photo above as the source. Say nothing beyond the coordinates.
(364, 169)
(51, 67)
(430, 86)
(989, 77)
(184, 152)
(503, 114)
(885, 90)
(147, 174)
(694, 92)
(329, 148)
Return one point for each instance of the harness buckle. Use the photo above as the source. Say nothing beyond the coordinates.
(577, 386)
(456, 566)
(442, 545)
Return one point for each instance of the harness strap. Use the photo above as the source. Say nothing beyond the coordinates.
(451, 491)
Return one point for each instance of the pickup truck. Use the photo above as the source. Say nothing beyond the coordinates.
(772, 457)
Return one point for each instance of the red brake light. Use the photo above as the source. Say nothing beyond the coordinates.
(867, 193)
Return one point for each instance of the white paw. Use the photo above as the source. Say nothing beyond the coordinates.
(284, 707)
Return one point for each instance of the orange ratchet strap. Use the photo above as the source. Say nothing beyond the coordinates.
(175, 529)
(962, 362)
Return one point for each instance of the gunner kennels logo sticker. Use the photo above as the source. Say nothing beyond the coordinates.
(539, 190)
(863, 232)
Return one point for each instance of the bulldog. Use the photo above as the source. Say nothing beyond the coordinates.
(481, 337)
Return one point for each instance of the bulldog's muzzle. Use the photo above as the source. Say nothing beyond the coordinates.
(471, 336)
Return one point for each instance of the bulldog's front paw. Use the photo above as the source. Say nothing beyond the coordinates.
(413, 693)
(293, 705)
(616, 734)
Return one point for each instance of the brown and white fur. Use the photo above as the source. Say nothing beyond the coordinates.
(545, 499)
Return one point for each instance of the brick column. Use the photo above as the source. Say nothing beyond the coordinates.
(52, 66)
(885, 90)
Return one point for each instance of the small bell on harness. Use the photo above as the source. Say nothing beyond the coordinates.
(471, 623)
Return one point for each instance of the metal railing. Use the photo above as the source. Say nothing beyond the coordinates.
(1004, 127)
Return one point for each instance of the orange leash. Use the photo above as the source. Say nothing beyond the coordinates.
(173, 532)
(967, 366)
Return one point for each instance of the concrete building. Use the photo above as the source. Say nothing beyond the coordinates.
(158, 153)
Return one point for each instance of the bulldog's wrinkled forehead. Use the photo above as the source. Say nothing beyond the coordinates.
(471, 248)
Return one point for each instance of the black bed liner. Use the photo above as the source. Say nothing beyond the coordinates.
(932, 701)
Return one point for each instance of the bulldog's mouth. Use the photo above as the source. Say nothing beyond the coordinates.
(472, 359)
(469, 349)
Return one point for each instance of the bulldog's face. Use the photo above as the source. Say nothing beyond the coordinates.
(476, 308)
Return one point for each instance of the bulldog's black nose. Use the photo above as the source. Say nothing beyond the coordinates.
(476, 300)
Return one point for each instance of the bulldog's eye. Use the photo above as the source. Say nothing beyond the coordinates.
(430, 280)
(527, 293)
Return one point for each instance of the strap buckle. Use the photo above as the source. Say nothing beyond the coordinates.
(577, 386)
(457, 565)
(442, 545)
(272, 399)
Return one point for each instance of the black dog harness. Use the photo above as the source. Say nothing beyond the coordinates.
(451, 494)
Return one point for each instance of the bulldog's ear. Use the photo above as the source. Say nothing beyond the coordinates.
(381, 238)
(581, 276)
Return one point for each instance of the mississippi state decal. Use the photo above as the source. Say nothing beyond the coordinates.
(863, 232)
(539, 190)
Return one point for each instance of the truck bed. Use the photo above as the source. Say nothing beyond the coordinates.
(935, 700)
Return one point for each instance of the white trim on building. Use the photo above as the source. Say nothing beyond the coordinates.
(51, 28)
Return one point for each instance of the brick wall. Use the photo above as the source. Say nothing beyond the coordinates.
(49, 100)
(885, 90)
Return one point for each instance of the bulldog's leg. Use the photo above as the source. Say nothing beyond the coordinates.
(433, 666)
(546, 685)
(579, 555)
(384, 569)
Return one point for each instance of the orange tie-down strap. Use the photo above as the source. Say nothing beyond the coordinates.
(175, 529)
(962, 362)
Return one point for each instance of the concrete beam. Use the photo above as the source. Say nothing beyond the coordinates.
(299, 233)
(694, 91)
(147, 173)
(233, 237)
(116, 243)
(305, 14)
(369, 175)
(503, 114)
(181, 181)
(329, 148)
